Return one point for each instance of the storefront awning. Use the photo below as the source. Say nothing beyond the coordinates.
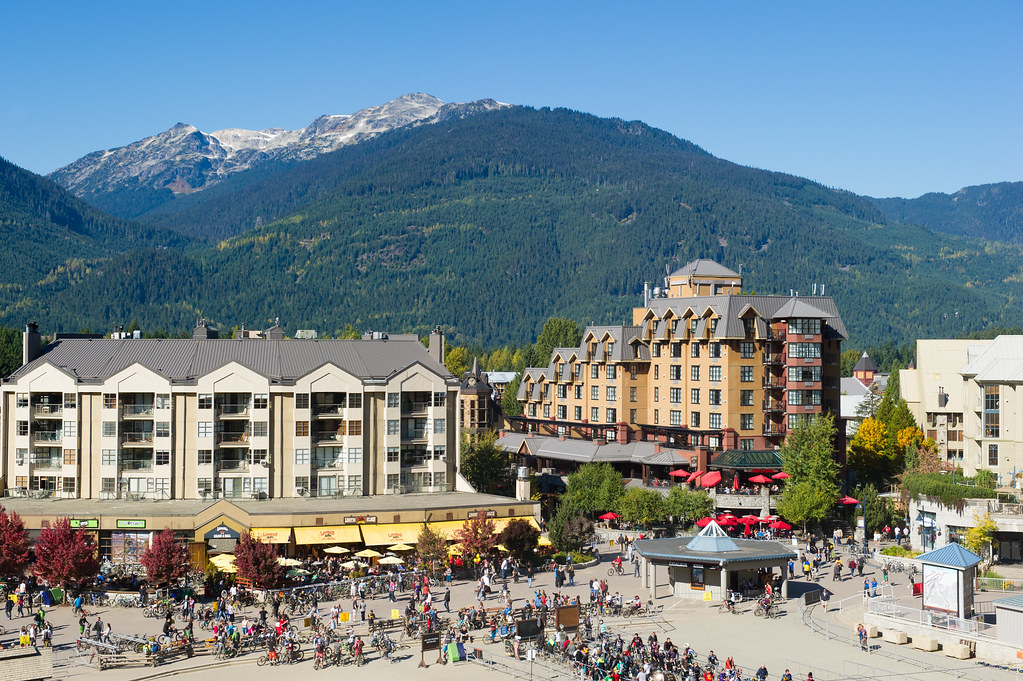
(272, 535)
(501, 523)
(328, 534)
(446, 528)
(390, 533)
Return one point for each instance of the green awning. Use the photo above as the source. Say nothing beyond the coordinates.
(761, 460)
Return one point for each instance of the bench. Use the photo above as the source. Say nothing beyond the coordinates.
(957, 650)
(170, 652)
(895, 636)
(379, 624)
(925, 643)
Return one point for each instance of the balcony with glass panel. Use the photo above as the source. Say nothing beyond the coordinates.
(329, 405)
(329, 435)
(232, 461)
(415, 402)
(137, 461)
(137, 406)
(138, 437)
(233, 434)
(233, 405)
(47, 405)
(45, 434)
(47, 458)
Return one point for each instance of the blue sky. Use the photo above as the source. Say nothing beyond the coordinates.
(885, 99)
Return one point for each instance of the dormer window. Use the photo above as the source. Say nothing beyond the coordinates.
(713, 325)
(692, 325)
(610, 349)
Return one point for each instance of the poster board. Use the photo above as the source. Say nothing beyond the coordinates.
(941, 588)
(567, 617)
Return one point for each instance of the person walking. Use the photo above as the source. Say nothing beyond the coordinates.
(447, 600)
(9, 607)
(861, 631)
(873, 588)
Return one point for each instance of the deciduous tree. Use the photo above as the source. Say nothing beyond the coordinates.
(642, 506)
(520, 538)
(65, 556)
(510, 404)
(978, 538)
(870, 453)
(257, 562)
(165, 559)
(431, 545)
(476, 535)
(13, 543)
(484, 464)
(688, 506)
(595, 487)
(457, 361)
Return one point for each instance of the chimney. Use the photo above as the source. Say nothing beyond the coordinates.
(646, 293)
(31, 343)
(437, 345)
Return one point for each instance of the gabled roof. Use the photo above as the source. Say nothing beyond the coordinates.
(730, 308)
(951, 555)
(798, 307)
(704, 268)
(1000, 361)
(865, 364)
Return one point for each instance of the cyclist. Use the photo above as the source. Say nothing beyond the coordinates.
(617, 562)
(787, 676)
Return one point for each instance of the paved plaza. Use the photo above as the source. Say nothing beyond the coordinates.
(780, 644)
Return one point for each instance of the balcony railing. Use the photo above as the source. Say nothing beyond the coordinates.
(774, 429)
(232, 465)
(137, 438)
(136, 464)
(328, 436)
(774, 405)
(330, 409)
(233, 438)
(415, 434)
(137, 411)
(47, 464)
(47, 436)
(47, 410)
(232, 410)
(774, 358)
(774, 382)
(414, 407)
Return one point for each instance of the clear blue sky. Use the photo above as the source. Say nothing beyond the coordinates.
(885, 99)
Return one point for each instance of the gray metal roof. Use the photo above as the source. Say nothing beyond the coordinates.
(729, 308)
(185, 360)
(999, 361)
(586, 451)
(704, 268)
(1010, 602)
(747, 551)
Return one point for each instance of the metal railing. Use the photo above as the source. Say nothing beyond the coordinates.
(47, 436)
(929, 618)
(232, 410)
(233, 438)
(137, 438)
(47, 410)
(137, 410)
(999, 584)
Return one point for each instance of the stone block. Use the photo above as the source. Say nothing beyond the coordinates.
(895, 636)
(925, 643)
(956, 650)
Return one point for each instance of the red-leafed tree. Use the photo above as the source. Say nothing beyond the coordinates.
(166, 559)
(257, 562)
(65, 555)
(476, 535)
(13, 543)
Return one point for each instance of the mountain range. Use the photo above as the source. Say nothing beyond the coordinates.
(488, 219)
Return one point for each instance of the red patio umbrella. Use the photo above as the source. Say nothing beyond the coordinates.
(727, 522)
(711, 479)
(848, 501)
(751, 518)
(747, 532)
(780, 476)
(694, 475)
(760, 479)
(735, 481)
(680, 473)
(703, 522)
(780, 525)
(610, 515)
(726, 516)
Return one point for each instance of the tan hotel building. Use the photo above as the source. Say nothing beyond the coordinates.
(702, 366)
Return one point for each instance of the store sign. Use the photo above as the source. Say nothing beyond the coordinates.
(360, 519)
(486, 514)
(85, 524)
(131, 524)
(678, 564)
(221, 532)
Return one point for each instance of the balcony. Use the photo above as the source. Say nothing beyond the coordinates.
(329, 436)
(774, 358)
(136, 464)
(415, 434)
(774, 429)
(232, 465)
(414, 407)
(774, 382)
(137, 411)
(48, 411)
(774, 405)
(142, 439)
(328, 409)
(233, 411)
(47, 464)
(233, 439)
(47, 436)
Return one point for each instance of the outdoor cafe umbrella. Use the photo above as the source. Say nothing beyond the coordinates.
(780, 476)
(223, 560)
(692, 476)
(703, 522)
(298, 572)
(348, 564)
(336, 549)
(727, 522)
(680, 473)
(610, 515)
(848, 501)
(780, 525)
(751, 519)
(400, 547)
(735, 481)
(454, 551)
(760, 479)
(368, 553)
(711, 479)
(391, 560)
(289, 562)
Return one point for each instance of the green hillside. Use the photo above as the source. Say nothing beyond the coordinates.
(490, 224)
(989, 211)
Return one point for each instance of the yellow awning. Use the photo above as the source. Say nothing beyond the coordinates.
(272, 535)
(328, 534)
(390, 533)
(446, 528)
(501, 523)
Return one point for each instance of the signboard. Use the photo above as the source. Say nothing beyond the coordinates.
(811, 597)
(89, 523)
(131, 524)
(359, 519)
(221, 532)
(696, 578)
(527, 629)
(941, 588)
(567, 617)
(431, 642)
(490, 513)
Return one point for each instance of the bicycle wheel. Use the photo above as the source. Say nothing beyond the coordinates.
(758, 611)
(261, 660)
(610, 572)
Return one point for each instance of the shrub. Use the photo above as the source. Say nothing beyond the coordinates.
(899, 552)
(577, 557)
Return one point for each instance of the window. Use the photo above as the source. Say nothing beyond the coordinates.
(23, 427)
(260, 485)
(714, 350)
(657, 394)
(561, 411)
(579, 371)
(594, 392)
(612, 415)
(657, 372)
(632, 394)
(714, 397)
(439, 426)
(991, 413)
(393, 400)
(355, 455)
(577, 413)
(302, 484)
(162, 458)
(205, 428)
(594, 414)
(694, 419)
(109, 400)
(109, 429)
(745, 374)
(657, 416)
(746, 398)
(675, 395)
(804, 350)
(562, 391)
(70, 428)
(746, 445)
(393, 481)
(805, 374)
(262, 401)
(206, 401)
(70, 401)
(612, 372)
(807, 327)
(108, 457)
(262, 428)
(578, 392)
(594, 371)
(69, 457)
(257, 456)
(992, 455)
(612, 393)
(804, 397)
(107, 485)
(715, 373)
(163, 429)
(22, 400)
(20, 456)
(532, 409)
(745, 421)
(355, 400)
(694, 396)
(355, 428)
(355, 482)
(693, 323)
(633, 370)
(675, 417)
(301, 457)
(393, 426)
(655, 350)
(546, 411)
(632, 416)
(302, 428)
(163, 401)
(714, 421)
(713, 325)
(205, 457)
(747, 350)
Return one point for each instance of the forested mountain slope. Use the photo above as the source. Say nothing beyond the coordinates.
(989, 211)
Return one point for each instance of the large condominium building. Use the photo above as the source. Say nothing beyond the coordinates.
(701, 366)
(966, 395)
(204, 418)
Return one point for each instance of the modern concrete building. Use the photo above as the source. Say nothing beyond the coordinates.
(968, 396)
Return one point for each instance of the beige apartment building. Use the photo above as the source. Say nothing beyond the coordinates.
(207, 418)
(702, 366)
(967, 396)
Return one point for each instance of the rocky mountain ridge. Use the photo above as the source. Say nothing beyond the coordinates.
(185, 159)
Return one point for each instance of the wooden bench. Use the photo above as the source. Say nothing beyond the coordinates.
(925, 643)
(166, 653)
(895, 636)
(380, 624)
